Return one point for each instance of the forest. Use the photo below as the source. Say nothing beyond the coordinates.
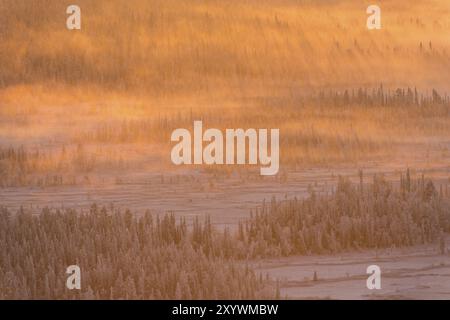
(365, 124)
(175, 47)
(86, 176)
(124, 255)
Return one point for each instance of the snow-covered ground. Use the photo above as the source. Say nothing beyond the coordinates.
(225, 199)
(406, 273)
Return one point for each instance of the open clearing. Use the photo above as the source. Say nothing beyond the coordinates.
(225, 199)
(406, 273)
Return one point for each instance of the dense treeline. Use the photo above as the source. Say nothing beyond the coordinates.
(245, 46)
(393, 115)
(327, 127)
(158, 129)
(123, 255)
(354, 217)
(400, 97)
